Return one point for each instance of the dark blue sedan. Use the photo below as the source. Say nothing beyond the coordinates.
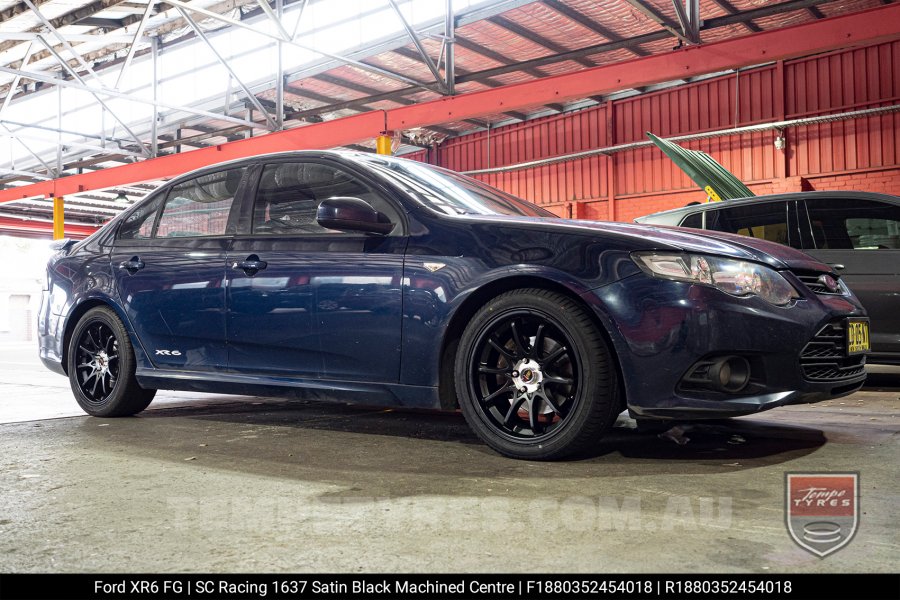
(385, 281)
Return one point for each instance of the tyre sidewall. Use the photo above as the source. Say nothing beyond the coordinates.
(112, 403)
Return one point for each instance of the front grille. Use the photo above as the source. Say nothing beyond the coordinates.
(824, 357)
(811, 281)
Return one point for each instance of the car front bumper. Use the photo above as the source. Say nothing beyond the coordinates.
(662, 329)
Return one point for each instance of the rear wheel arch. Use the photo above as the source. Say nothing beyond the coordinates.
(464, 313)
(75, 316)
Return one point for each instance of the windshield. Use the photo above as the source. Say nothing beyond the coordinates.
(449, 192)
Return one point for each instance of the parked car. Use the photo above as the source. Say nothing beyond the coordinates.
(856, 233)
(392, 282)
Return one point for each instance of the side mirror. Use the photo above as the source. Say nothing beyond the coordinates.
(352, 214)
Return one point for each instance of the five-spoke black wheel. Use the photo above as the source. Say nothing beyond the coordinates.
(101, 367)
(533, 376)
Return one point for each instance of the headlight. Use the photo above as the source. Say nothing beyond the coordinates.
(735, 277)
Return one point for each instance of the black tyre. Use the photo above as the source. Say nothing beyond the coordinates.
(534, 376)
(101, 367)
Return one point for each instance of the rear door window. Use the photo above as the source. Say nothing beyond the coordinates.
(200, 207)
(853, 224)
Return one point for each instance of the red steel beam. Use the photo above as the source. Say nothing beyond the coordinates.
(865, 27)
(74, 231)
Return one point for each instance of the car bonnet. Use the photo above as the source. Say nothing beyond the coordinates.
(668, 238)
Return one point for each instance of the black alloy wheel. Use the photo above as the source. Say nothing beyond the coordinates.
(101, 367)
(534, 376)
(527, 374)
(97, 361)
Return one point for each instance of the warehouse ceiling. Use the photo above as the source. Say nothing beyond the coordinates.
(87, 85)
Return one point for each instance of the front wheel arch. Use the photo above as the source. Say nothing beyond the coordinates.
(535, 377)
(478, 298)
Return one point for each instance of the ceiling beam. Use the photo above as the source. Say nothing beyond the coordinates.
(763, 11)
(296, 90)
(413, 55)
(364, 89)
(730, 9)
(816, 12)
(864, 27)
(103, 23)
(335, 105)
(533, 37)
(493, 55)
(423, 52)
(120, 41)
(569, 55)
(350, 85)
(588, 22)
(869, 26)
(69, 18)
(660, 19)
(17, 9)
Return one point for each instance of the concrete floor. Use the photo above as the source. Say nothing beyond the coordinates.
(213, 483)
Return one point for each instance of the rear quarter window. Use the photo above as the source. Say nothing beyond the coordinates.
(139, 224)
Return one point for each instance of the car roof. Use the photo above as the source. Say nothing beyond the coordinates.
(807, 196)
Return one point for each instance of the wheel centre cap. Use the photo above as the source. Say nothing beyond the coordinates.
(529, 376)
(101, 362)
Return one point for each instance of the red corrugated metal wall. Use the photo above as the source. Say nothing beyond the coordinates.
(860, 154)
(533, 140)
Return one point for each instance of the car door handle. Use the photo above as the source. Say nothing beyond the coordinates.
(837, 266)
(132, 266)
(251, 266)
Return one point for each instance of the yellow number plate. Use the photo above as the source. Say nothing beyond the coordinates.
(857, 336)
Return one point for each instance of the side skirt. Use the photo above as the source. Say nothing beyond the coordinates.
(382, 394)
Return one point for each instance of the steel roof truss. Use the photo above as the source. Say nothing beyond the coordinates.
(343, 59)
(50, 171)
(250, 95)
(132, 48)
(15, 82)
(93, 91)
(422, 52)
(654, 15)
(45, 78)
(65, 43)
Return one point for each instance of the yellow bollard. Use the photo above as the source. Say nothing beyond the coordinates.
(58, 228)
(383, 144)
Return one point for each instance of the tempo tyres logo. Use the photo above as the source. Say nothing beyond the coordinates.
(822, 510)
